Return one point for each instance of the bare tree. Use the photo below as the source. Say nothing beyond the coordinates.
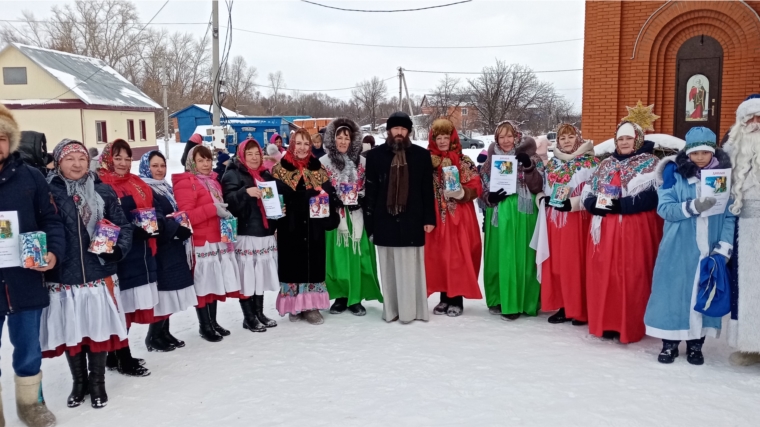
(507, 92)
(276, 84)
(239, 80)
(445, 99)
(370, 93)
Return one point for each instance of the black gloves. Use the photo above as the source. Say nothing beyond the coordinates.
(336, 202)
(497, 197)
(142, 233)
(566, 207)
(115, 256)
(311, 193)
(615, 208)
(598, 212)
(352, 208)
(546, 200)
(183, 233)
(523, 159)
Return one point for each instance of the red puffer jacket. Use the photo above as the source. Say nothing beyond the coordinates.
(193, 198)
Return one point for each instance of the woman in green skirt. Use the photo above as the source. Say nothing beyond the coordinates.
(351, 273)
(509, 272)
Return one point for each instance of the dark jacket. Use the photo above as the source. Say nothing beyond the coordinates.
(642, 202)
(174, 272)
(244, 207)
(33, 150)
(24, 190)
(220, 166)
(300, 239)
(406, 228)
(188, 146)
(139, 267)
(80, 266)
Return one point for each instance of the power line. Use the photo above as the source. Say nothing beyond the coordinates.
(497, 46)
(387, 10)
(105, 64)
(320, 90)
(43, 21)
(405, 46)
(481, 72)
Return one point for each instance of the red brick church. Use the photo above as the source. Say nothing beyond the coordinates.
(694, 60)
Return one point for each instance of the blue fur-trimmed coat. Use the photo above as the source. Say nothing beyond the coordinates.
(687, 239)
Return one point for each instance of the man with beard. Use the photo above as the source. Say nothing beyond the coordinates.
(399, 211)
(744, 148)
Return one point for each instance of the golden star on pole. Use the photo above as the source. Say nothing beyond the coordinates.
(642, 116)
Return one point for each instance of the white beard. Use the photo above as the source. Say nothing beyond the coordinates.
(743, 146)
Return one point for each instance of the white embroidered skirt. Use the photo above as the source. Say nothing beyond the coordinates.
(257, 263)
(90, 314)
(170, 302)
(216, 272)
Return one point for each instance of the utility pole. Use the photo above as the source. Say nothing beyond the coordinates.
(215, 61)
(406, 89)
(166, 112)
(400, 98)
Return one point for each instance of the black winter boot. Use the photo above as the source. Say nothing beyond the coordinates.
(128, 365)
(443, 305)
(357, 309)
(456, 306)
(112, 363)
(669, 351)
(97, 380)
(250, 321)
(155, 341)
(212, 315)
(206, 330)
(339, 306)
(258, 305)
(168, 337)
(78, 367)
(558, 317)
(694, 351)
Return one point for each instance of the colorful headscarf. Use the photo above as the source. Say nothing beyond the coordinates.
(255, 173)
(90, 205)
(209, 181)
(126, 185)
(562, 129)
(451, 157)
(624, 128)
(161, 186)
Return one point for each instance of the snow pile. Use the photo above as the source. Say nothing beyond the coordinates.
(661, 140)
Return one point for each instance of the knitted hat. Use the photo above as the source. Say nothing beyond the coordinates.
(399, 118)
(9, 127)
(748, 109)
(700, 139)
(626, 128)
(196, 138)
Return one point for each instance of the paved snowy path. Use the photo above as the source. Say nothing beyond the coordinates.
(475, 370)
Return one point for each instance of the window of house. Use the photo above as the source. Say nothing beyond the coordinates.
(130, 130)
(464, 111)
(100, 130)
(14, 75)
(143, 131)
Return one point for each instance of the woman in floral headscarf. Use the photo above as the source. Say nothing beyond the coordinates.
(174, 257)
(216, 275)
(85, 318)
(509, 273)
(256, 246)
(562, 259)
(351, 273)
(301, 235)
(625, 235)
(138, 269)
(453, 248)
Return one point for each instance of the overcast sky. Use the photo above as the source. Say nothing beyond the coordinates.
(311, 65)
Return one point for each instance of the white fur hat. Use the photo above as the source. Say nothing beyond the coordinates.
(9, 127)
(748, 109)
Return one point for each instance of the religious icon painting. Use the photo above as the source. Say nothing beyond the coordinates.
(697, 95)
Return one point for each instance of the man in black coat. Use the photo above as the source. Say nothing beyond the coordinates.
(25, 198)
(400, 210)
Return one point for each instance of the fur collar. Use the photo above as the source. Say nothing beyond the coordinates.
(687, 169)
(314, 164)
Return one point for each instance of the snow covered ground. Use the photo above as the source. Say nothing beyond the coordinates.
(475, 370)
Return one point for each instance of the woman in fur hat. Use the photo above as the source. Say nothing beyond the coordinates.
(453, 249)
(687, 239)
(509, 273)
(351, 272)
(300, 234)
(563, 262)
(625, 233)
